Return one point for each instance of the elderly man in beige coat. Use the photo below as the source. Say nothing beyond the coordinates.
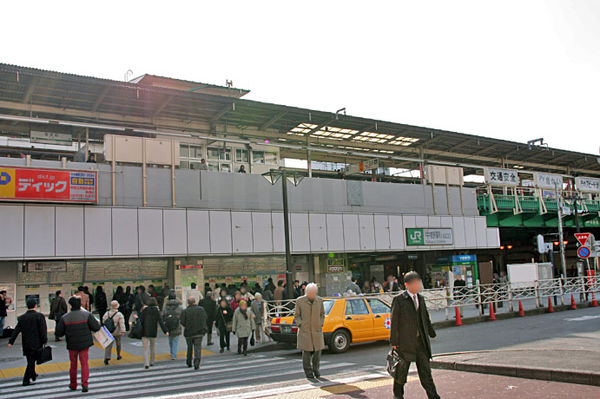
(309, 316)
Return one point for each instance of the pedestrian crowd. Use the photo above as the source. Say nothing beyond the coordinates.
(141, 313)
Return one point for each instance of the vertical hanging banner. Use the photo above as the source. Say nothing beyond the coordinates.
(48, 185)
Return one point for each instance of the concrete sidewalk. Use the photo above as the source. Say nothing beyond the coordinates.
(560, 365)
(12, 363)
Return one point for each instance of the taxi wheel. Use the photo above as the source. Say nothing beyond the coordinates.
(340, 341)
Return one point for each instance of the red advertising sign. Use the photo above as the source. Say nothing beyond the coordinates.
(48, 185)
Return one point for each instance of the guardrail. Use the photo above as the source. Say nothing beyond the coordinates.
(478, 295)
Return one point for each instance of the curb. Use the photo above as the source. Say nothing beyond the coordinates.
(509, 315)
(536, 373)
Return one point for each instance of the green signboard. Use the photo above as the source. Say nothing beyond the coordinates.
(429, 236)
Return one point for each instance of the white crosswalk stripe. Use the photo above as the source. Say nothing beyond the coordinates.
(168, 378)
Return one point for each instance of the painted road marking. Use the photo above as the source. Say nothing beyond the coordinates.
(583, 318)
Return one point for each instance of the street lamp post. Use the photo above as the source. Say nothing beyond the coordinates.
(295, 178)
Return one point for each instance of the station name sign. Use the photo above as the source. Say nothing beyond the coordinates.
(48, 185)
(431, 236)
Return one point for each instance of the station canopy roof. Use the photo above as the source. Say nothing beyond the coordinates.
(154, 102)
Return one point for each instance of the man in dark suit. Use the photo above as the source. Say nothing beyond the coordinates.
(32, 327)
(410, 332)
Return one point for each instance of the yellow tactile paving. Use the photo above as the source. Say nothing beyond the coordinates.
(128, 358)
(341, 389)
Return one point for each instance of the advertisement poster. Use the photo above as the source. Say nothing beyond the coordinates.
(48, 185)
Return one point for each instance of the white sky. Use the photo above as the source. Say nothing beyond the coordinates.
(508, 69)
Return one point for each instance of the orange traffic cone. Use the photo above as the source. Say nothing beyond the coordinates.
(573, 305)
(550, 307)
(458, 319)
(492, 314)
(594, 301)
(521, 311)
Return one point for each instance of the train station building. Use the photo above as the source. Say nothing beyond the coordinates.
(160, 180)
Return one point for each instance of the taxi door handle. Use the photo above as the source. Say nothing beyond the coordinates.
(377, 316)
(348, 317)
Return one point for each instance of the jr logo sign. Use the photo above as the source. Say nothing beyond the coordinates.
(415, 236)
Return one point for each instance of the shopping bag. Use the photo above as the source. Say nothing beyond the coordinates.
(44, 355)
(104, 337)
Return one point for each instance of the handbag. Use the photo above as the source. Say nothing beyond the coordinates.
(44, 355)
(229, 326)
(394, 362)
(252, 341)
(137, 330)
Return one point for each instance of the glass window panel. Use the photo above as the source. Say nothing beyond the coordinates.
(241, 155)
(258, 156)
(378, 307)
(225, 167)
(184, 164)
(271, 158)
(213, 153)
(183, 150)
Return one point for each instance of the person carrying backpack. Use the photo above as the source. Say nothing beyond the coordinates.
(171, 317)
(114, 321)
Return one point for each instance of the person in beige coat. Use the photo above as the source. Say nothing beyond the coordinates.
(309, 316)
(243, 325)
(119, 321)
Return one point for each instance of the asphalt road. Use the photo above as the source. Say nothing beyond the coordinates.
(279, 370)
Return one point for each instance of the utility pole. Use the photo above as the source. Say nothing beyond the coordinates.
(563, 259)
(286, 229)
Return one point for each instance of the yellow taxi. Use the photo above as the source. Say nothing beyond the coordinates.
(347, 320)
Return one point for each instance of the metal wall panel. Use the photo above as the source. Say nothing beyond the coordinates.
(409, 221)
(470, 235)
(124, 231)
(434, 221)
(150, 222)
(220, 232)
(335, 232)
(351, 234)
(69, 231)
(422, 221)
(480, 232)
(262, 231)
(278, 234)
(459, 231)
(318, 232)
(98, 231)
(300, 233)
(241, 232)
(198, 232)
(158, 192)
(493, 237)
(174, 231)
(397, 241)
(367, 232)
(39, 231)
(11, 233)
(382, 232)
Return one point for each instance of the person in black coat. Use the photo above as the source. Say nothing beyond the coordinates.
(100, 301)
(33, 330)
(224, 320)
(58, 308)
(151, 319)
(210, 307)
(410, 331)
(391, 285)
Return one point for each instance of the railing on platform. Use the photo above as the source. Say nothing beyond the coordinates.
(478, 295)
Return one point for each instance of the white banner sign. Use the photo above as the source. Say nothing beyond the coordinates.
(501, 177)
(547, 180)
(587, 184)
